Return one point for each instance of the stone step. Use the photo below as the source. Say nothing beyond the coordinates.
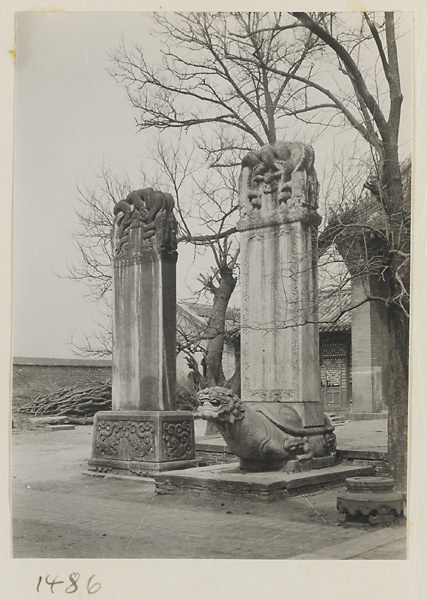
(335, 419)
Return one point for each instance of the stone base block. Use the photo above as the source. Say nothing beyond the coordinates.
(215, 451)
(317, 462)
(370, 499)
(140, 469)
(142, 443)
(299, 465)
(228, 481)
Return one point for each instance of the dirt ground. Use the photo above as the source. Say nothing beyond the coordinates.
(61, 511)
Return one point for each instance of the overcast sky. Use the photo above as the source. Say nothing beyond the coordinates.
(71, 117)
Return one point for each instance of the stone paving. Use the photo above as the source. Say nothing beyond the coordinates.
(61, 512)
(370, 435)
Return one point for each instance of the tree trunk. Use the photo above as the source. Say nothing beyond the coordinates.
(398, 399)
(234, 383)
(398, 276)
(216, 327)
(216, 333)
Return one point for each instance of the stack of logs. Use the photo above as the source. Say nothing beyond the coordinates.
(78, 403)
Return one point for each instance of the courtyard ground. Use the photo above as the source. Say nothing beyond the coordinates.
(59, 511)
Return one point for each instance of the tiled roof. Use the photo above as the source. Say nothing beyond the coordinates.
(204, 310)
(334, 313)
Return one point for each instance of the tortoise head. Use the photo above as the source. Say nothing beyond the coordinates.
(219, 404)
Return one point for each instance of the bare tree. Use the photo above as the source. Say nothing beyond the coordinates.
(366, 94)
(229, 106)
(232, 81)
(375, 113)
(215, 200)
(92, 235)
(245, 105)
(217, 76)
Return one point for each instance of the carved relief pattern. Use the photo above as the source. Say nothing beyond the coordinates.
(178, 438)
(150, 212)
(125, 440)
(271, 395)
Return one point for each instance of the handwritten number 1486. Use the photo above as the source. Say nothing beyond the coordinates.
(72, 587)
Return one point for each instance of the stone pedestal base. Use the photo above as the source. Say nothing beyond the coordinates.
(320, 462)
(230, 482)
(142, 443)
(370, 499)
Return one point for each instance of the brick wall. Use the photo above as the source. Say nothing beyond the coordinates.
(32, 377)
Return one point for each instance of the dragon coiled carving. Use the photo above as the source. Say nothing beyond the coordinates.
(284, 170)
(152, 212)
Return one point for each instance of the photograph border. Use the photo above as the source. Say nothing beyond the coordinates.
(239, 579)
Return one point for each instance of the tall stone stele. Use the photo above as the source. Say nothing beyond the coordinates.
(144, 434)
(278, 197)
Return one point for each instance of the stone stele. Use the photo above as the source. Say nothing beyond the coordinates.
(144, 433)
(280, 348)
(278, 198)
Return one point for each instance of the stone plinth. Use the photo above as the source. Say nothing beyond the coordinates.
(142, 442)
(370, 499)
(144, 434)
(279, 328)
(228, 481)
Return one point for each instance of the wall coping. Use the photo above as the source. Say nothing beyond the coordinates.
(60, 362)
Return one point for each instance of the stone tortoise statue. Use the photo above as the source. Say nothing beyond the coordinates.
(267, 436)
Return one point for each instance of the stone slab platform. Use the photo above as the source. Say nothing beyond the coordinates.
(230, 482)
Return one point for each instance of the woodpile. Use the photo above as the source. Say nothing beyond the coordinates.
(77, 403)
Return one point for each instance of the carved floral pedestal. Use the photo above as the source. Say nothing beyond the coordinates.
(142, 443)
(370, 499)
